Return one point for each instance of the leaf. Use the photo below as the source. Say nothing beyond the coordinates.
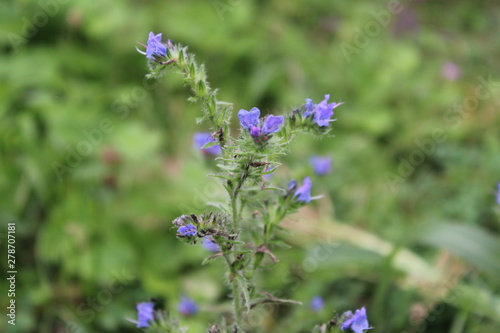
(271, 299)
(242, 285)
(210, 259)
(219, 176)
(274, 188)
(210, 144)
(232, 241)
(472, 244)
(280, 244)
(240, 252)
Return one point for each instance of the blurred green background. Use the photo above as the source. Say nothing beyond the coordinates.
(96, 162)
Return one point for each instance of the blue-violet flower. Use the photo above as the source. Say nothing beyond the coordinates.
(187, 230)
(321, 113)
(250, 120)
(210, 245)
(202, 138)
(154, 47)
(498, 194)
(321, 165)
(317, 303)
(303, 193)
(145, 314)
(187, 307)
(357, 322)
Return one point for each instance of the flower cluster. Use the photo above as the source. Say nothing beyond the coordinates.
(250, 120)
(321, 113)
(246, 163)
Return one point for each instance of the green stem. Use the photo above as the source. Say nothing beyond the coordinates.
(238, 310)
(234, 208)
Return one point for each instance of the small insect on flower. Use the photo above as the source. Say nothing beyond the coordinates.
(187, 231)
(357, 322)
(187, 307)
(145, 314)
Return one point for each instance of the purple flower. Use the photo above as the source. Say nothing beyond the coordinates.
(292, 185)
(303, 193)
(145, 314)
(155, 47)
(187, 307)
(498, 194)
(210, 245)
(202, 138)
(309, 108)
(250, 120)
(268, 176)
(272, 124)
(317, 303)
(357, 322)
(255, 132)
(321, 113)
(321, 165)
(450, 71)
(187, 230)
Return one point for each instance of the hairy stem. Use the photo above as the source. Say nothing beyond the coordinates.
(238, 309)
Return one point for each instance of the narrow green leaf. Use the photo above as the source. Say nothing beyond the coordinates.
(210, 259)
(242, 285)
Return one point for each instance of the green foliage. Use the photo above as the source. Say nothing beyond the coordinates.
(99, 220)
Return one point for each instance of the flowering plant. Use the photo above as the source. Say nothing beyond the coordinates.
(242, 231)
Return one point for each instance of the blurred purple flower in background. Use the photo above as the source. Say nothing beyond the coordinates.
(451, 71)
(187, 307)
(322, 165)
(268, 176)
(202, 138)
(405, 23)
(145, 314)
(498, 193)
(210, 245)
(187, 230)
(317, 303)
(155, 47)
(357, 322)
(303, 193)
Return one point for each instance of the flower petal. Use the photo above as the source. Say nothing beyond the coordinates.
(249, 119)
(272, 124)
